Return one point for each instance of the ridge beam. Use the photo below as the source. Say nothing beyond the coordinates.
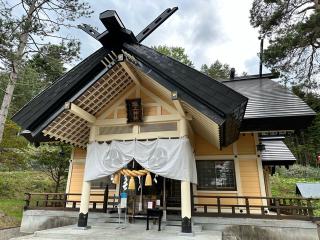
(74, 109)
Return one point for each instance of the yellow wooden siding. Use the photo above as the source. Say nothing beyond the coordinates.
(79, 153)
(76, 180)
(248, 168)
(203, 147)
(214, 200)
(246, 144)
(250, 179)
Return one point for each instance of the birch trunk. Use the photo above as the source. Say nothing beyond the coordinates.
(15, 69)
(6, 101)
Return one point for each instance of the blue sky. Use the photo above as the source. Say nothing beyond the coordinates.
(207, 29)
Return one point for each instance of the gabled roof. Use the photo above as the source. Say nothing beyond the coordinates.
(271, 106)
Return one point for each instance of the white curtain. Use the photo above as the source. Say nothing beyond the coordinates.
(170, 158)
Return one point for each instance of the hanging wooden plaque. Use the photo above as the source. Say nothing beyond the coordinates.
(134, 110)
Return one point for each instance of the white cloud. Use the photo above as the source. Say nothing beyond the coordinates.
(207, 29)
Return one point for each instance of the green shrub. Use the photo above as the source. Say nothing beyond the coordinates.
(299, 171)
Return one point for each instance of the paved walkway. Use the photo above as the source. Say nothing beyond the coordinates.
(111, 231)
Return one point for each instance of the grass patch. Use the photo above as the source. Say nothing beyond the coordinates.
(13, 185)
(12, 207)
(10, 212)
(286, 187)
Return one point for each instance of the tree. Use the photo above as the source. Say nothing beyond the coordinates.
(50, 62)
(39, 72)
(305, 144)
(178, 53)
(217, 70)
(292, 28)
(12, 147)
(53, 160)
(25, 27)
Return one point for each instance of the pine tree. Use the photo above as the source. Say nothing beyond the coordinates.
(292, 28)
(24, 28)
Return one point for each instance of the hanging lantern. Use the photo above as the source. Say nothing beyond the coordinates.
(132, 184)
(116, 179)
(148, 180)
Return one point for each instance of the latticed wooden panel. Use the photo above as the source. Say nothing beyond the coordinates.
(72, 129)
(69, 128)
(104, 90)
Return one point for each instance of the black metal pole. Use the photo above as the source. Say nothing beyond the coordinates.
(261, 57)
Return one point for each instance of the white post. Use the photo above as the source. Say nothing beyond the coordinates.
(84, 205)
(185, 190)
(186, 207)
(85, 192)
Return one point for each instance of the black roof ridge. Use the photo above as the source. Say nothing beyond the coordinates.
(253, 77)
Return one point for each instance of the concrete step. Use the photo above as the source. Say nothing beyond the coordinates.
(101, 231)
(177, 228)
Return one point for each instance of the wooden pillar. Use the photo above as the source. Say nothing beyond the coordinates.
(186, 226)
(266, 174)
(84, 205)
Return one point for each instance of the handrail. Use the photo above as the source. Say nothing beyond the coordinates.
(61, 200)
(284, 207)
(254, 197)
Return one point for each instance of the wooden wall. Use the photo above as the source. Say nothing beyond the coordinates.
(243, 152)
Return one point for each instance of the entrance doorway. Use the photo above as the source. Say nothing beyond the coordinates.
(173, 196)
(164, 191)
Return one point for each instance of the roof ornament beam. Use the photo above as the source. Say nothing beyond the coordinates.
(116, 33)
(74, 109)
(156, 23)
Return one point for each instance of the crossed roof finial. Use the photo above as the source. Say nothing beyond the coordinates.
(116, 33)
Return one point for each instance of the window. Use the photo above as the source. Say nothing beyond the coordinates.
(101, 183)
(216, 175)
